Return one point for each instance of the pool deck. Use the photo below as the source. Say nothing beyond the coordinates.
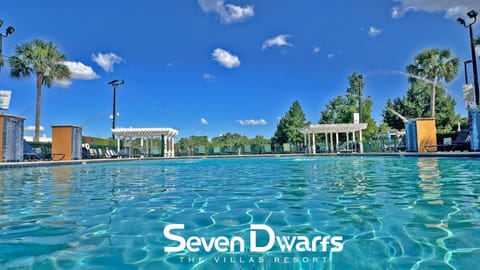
(30, 164)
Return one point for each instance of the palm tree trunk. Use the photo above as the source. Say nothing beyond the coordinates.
(432, 102)
(36, 137)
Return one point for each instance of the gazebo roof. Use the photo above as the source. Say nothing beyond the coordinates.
(144, 132)
(333, 128)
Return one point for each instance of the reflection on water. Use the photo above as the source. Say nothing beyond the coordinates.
(61, 177)
(393, 213)
(429, 174)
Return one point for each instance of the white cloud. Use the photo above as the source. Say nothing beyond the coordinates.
(373, 31)
(280, 40)
(316, 50)
(252, 122)
(237, 13)
(452, 9)
(225, 58)
(209, 77)
(477, 50)
(396, 12)
(330, 55)
(106, 61)
(62, 83)
(228, 13)
(80, 71)
(32, 128)
(204, 121)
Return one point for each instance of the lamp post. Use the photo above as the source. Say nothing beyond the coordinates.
(8, 32)
(472, 14)
(115, 83)
(465, 69)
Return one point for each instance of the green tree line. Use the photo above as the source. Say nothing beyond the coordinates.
(228, 141)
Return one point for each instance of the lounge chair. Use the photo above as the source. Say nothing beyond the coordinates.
(100, 153)
(93, 153)
(461, 143)
(30, 154)
(123, 154)
(110, 153)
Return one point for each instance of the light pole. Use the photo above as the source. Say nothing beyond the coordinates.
(115, 83)
(465, 69)
(8, 32)
(472, 14)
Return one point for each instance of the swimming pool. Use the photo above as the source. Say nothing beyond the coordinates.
(392, 213)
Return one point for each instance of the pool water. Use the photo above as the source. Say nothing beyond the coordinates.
(392, 213)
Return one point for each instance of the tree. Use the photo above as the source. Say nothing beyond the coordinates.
(337, 111)
(415, 104)
(288, 128)
(229, 140)
(342, 108)
(43, 60)
(259, 141)
(433, 66)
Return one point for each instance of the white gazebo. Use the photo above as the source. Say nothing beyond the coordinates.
(329, 130)
(166, 134)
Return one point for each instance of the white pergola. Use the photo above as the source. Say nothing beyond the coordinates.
(330, 129)
(167, 135)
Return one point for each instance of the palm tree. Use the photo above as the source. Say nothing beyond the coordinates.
(433, 66)
(45, 61)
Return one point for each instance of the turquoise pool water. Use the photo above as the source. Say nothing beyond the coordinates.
(392, 213)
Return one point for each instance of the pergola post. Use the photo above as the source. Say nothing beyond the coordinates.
(361, 142)
(313, 142)
(326, 143)
(309, 147)
(353, 140)
(336, 137)
(305, 140)
(164, 143)
(118, 145)
(348, 140)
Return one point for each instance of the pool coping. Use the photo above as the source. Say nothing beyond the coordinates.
(30, 164)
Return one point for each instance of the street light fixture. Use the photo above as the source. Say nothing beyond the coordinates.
(115, 83)
(8, 32)
(472, 14)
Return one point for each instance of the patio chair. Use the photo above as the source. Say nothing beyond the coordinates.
(30, 154)
(110, 153)
(461, 143)
(93, 153)
(100, 153)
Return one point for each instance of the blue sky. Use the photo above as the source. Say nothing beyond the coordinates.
(208, 67)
